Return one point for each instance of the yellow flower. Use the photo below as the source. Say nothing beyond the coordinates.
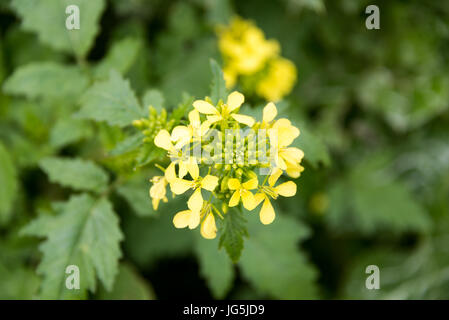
(163, 140)
(242, 191)
(281, 135)
(183, 135)
(278, 81)
(234, 101)
(244, 47)
(208, 227)
(269, 113)
(157, 191)
(195, 202)
(186, 218)
(286, 189)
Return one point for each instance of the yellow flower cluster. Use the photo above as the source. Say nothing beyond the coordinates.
(226, 181)
(248, 55)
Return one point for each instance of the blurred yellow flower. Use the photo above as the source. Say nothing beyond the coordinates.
(278, 81)
(248, 55)
(244, 47)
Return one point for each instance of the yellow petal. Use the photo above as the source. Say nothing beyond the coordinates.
(209, 182)
(208, 227)
(274, 176)
(157, 190)
(280, 162)
(194, 219)
(213, 119)
(179, 186)
(294, 171)
(233, 184)
(251, 184)
(163, 140)
(266, 214)
(182, 169)
(286, 189)
(248, 200)
(181, 219)
(249, 121)
(269, 112)
(235, 199)
(204, 127)
(235, 100)
(179, 132)
(170, 173)
(194, 118)
(204, 107)
(155, 203)
(195, 202)
(286, 133)
(259, 197)
(193, 169)
(292, 155)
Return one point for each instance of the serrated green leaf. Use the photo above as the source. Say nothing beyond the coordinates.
(368, 199)
(75, 173)
(120, 57)
(85, 234)
(218, 87)
(215, 266)
(47, 80)
(8, 190)
(234, 229)
(48, 20)
(274, 264)
(69, 130)
(154, 98)
(129, 285)
(128, 144)
(112, 101)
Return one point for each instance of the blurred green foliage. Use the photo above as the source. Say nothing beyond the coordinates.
(372, 106)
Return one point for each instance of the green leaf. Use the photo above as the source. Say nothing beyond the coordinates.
(48, 20)
(112, 101)
(120, 57)
(215, 266)
(368, 199)
(154, 98)
(151, 238)
(75, 173)
(234, 229)
(128, 144)
(273, 263)
(315, 151)
(8, 190)
(47, 80)
(129, 285)
(19, 283)
(69, 130)
(218, 88)
(86, 234)
(135, 191)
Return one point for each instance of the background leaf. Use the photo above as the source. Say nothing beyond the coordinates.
(75, 173)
